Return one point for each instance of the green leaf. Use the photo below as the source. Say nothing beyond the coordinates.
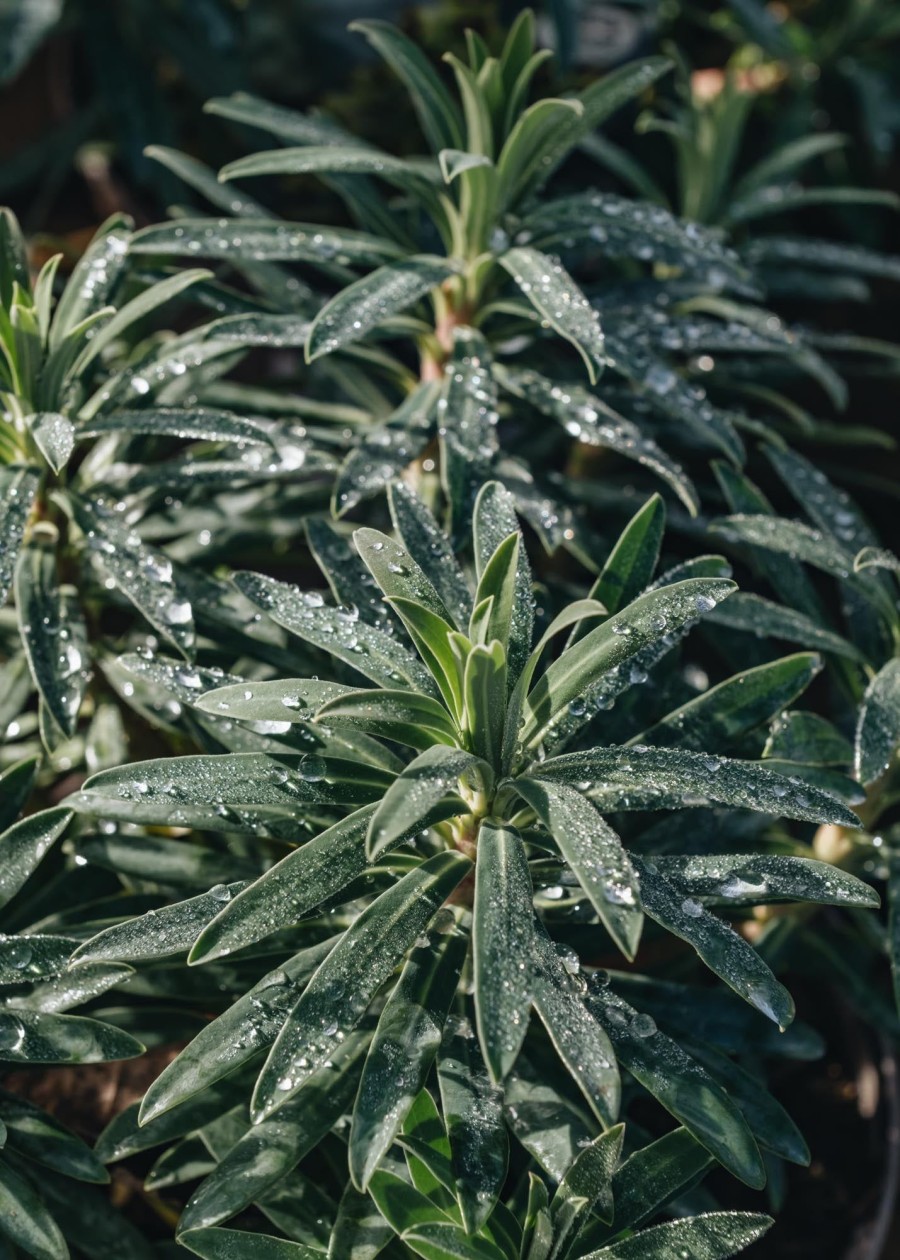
(195, 424)
(24, 845)
(18, 489)
(373, 652)
(494, 519)
(766, 619)
(751, 879)
(437, 111)
(54, 436)
(337, 160)
(721, 716)
(438, 1241)
(24, 1219)
(53, 635)
(239, 1244)
(630, 566)
(272, 1147)
(531, 141)
(579, 1040)
(875, 558)
(644, 622)
(428, 545)
(143, 574)
(16, 785)
(14, 267)
(455, 162)
(651, 1177)
(38, 1037)
(242, 792)
(585, 1189)
(595, 855)
(22, 958)
(479, 1149)
(340, 991)
(235, 1037)
(304, 879)
(294, 700)
(806, 737)
(680, 1084)
(497, 583)
(878, 726)
(397, 573)
(377, 297)
(719, 1234)
(267, 240)
(403, 1047)
(433, 775)
(661, 778)
(558, 300)
(40, 1137)
(94, 278)
(381, 453)
(402, 716)
(359, 1232)
(156, 295)
(722, 949)
(502, 932)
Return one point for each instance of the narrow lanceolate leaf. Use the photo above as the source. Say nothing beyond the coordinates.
(632, 562)
(434, 774)
(18, 487)
(586, 1189)
(766, 619)
(243, 792)
(366, 303)
(398, 575)
(403, 1047)
(714, 1236)
(374, 653)
(878, 729)
(595, 855)
(403, 716)
(748, 879)
(494, 521)
(239, 1244)
(586, 417)
(24, 845)
(23, 958)
(328, 159)
(54, 436)
(156, 295)
(876, 558)
(264, 240)
(53, 635)
(246, 1028)
(644, 622)
(557, 299)
(719, 717)
(28, 1036)
(93, 279)
(340, 991)
(436, 109)
(274, 1146)
(380, 454)
(479, 1148)
(196, 424)
(25, 1221)
(579, 1040)
(502, 932)
(292, 888)
(39, 1136)
(680, 1084)
(661, 778)
(722, 949)
(143, 574)
(159, 933)
(294, 700)
(427, 543)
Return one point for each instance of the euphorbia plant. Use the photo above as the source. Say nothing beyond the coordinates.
(433, 909)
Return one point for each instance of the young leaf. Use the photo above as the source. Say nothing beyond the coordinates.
(424, 783)
(630, 566)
